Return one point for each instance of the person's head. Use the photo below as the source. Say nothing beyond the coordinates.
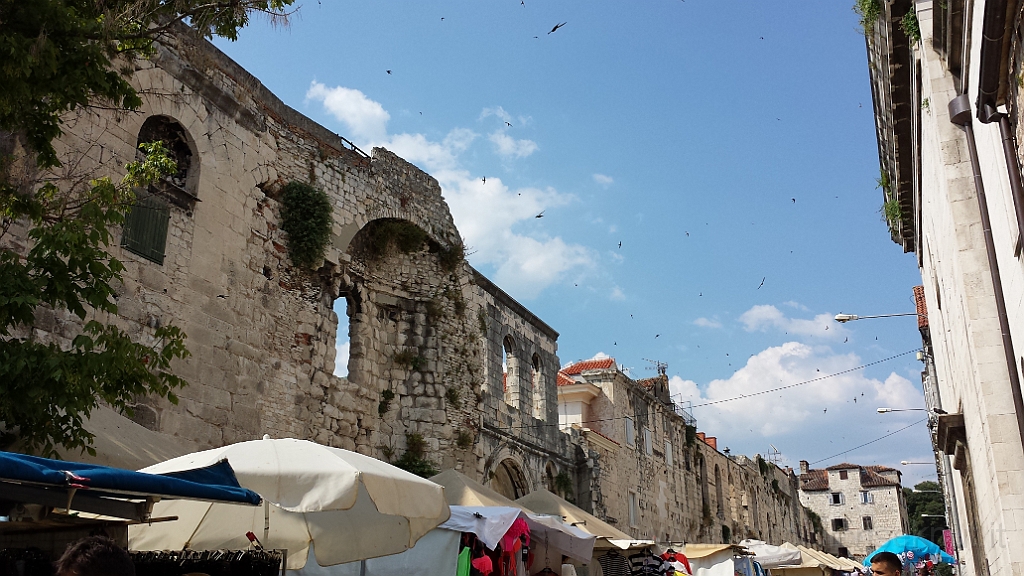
(95, 556)
(886, 564)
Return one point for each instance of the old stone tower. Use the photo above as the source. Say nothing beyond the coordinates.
(438, 352)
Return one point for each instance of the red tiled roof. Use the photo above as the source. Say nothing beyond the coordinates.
(814, 480)
(583, 366)
(843, 466)
(922, 307)
(880, 468)
(603, 436)
(564, 380)
(872, 479)
(648, 383)
(869, 477)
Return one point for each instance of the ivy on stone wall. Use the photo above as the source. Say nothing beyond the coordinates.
(307, 217)
(869, 12)
(386, 237)
(563, 483)
(414, 459)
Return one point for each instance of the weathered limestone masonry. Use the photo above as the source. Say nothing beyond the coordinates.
(523, 446)
(426, 330)
(654, 476)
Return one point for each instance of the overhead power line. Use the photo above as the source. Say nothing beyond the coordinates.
(872, 442)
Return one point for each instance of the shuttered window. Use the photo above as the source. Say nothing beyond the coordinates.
(145, 227)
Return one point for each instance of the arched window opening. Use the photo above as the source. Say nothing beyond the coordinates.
(718, 492)
(510, 375)
(146, 224)
(342, 338)
(539, 394)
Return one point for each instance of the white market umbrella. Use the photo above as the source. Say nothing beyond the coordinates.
(352, 506)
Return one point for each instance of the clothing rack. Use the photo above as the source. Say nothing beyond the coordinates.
(212, 562)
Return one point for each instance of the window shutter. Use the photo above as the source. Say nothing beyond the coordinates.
(145, 228)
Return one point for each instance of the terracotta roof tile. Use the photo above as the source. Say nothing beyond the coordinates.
(880, 468)
(583, 366)
(564, 380)
(648, 383)
(843, 466)
(872, 479)
(922, 307)
(814, 480)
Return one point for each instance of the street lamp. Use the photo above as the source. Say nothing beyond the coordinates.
(844, 318)
(887, 410)
(906, 463)
(943, 516)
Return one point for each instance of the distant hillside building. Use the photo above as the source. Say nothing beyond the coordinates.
(860, 506)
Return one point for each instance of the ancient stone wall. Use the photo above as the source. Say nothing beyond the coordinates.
(652, 478)
(262, 332)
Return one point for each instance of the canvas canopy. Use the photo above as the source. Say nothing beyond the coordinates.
(104, 490)
(549, 530)
(712, 559)
(544, 502)
(769, 556)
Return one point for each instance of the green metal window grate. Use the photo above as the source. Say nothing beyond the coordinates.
(145, 228)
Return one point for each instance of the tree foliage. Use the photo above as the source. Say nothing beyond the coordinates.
(49, 389)
(60, 55)
(307, 217)
(56, 57)
(926, 498)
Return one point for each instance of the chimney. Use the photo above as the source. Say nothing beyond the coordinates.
(700, 436)
(804, 467)
(712, 441)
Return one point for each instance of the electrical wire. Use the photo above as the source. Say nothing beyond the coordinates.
(867, 443)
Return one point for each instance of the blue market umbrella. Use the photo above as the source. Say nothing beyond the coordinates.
(911, 550)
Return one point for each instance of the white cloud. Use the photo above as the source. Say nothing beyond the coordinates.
(763, 317)
(600, 356)
(603, 180)
(617, 294)
(707, 323)
(497, 222)
(367, 120)
(341, 359)
(508, 147)
(816, 419)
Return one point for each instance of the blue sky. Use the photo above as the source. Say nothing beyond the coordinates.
(721, 143)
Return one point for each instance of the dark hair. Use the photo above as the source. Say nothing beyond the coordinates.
(888, 558)
(95, 556)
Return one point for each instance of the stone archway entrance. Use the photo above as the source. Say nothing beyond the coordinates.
(509, 480)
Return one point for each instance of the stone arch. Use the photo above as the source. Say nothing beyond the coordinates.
(719, 492)
(549, 477)
(510, 372)
(705, 498)
(537, 386)
(509, 480)
(181, 148)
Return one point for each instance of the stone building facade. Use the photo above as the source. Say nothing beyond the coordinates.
(204, 251)
(947, 114)
(653, 475)
(861, 507)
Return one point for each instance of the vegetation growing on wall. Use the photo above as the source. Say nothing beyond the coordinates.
(910, 26)
(464, 439)
(892, 213)
(815, 519)
(454, 397)
(307, 217)
(451, 257)
(869, 12)
(563, 484)
(414, 459)
(385, 402)
(763, 466)
(409, 359)
(691, 435)
(387, 237)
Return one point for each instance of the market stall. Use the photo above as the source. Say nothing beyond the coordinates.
(352, 506)
(47, 504)
(718, 559)
(769, 556)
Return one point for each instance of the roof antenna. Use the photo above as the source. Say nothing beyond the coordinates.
(661, 367)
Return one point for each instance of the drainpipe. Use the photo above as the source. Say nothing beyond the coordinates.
(992, 32)
(1013, 171)
(960, 114)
